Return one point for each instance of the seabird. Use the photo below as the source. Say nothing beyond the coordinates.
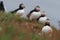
(20, 11)
(2, 9)
(34, 14)
(46, 29)
(42, 18)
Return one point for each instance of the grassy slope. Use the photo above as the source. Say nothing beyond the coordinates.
(14, 28)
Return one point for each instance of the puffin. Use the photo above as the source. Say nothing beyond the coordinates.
(42, 18)
(2, 9)
(46, 29)
(19, 11)
(34, 14)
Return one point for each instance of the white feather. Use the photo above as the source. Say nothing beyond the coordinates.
(35, 15)
(42, 19)
(21, 12)
(46, 29)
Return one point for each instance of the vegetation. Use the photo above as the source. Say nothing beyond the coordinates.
(15, 28)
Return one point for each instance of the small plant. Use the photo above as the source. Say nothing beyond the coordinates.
(35, 37)
(10, 30)
(21, 35)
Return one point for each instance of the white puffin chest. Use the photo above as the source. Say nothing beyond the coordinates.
(46, 29)
(42, 19)
(20, 12)
(35, 15)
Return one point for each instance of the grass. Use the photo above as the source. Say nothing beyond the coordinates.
(15, 28)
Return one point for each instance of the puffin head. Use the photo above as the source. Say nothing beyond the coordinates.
(43, 14)
(37, 8)
(21, 6)
(47, 22)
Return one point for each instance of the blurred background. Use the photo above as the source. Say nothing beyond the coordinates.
(52, 7)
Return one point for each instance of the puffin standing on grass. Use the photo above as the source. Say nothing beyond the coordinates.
(2, 9)
(20, 11)
(47, 30)
(34, 14)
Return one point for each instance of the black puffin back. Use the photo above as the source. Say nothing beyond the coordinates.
(40, 17)
(2, 6)
(34, 10)
(30, 13)
(14, 11)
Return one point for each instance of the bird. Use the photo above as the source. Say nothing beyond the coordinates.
(46, 29)
(19, 11)
(2, 9)
(35, 13)
(42, 18)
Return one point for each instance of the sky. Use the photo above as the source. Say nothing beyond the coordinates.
(52, 7)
